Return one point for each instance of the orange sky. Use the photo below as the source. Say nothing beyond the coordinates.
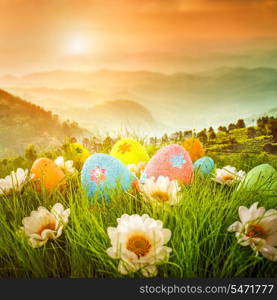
(90, 34)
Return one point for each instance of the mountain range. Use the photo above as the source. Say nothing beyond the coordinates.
(176, 101)
(24, 123)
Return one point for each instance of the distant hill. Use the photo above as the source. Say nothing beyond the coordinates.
(122, 115)
(24, 123)
(179, 100)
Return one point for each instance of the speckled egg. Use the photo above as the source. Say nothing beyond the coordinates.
(46, 174)
(129, 151)
(78, 152)
(102, 174)
(172, 161)
(262, 178)
(194, 148)
(205, 165)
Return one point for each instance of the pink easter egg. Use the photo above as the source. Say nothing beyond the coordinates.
(171, 161)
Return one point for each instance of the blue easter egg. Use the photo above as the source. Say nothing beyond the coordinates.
(102, 174)
(205, 165)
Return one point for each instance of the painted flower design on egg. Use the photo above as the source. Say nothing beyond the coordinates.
(79, 150)
(177, 160)
(98, 174)
(124, 148)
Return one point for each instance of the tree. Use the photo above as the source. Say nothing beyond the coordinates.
(73, 139)
(251, 132)
(202, 135)
(273, 128)
(30, 152)
(18, 161)
(165, 138)
(187, 134)
(240, 123)
(66, 128)
(210, 129)
(232, 126)
(211, 133)
(174, 137)
(222, 128)
(268, 125)
(261, 123)
(107, 143)
(4, 162)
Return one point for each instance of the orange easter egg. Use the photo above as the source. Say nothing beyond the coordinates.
(46, 174)
(194, 148)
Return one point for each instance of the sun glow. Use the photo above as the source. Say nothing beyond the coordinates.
(77, 45)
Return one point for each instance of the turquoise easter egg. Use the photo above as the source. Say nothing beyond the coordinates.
(262, 178)
(204, 165)
(103, 174)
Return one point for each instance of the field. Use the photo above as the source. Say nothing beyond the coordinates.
(201, 245)
(138, 139)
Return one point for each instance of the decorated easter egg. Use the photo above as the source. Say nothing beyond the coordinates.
(204, 165)
(262, 178)
(194, 148)
(129, 151)
(78, 152)
(171, 161)
(46, 174)
(102, 174)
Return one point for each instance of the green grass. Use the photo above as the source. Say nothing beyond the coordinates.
(201, 245)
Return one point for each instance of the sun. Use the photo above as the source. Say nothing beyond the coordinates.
(77, 45)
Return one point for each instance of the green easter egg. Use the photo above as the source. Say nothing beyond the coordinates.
(262, 178)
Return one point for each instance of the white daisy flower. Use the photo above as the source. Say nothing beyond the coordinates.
(138, 241)
(162, 190)
(228, 175)
(14, 181)
(136, 169)
(257, 228)
(43, 225)
(66, 166)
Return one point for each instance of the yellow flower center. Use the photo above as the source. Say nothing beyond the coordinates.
(256, 231)
(50, 225)
(160, 196)
(139, 244)
(142, 167)
(227, 177)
